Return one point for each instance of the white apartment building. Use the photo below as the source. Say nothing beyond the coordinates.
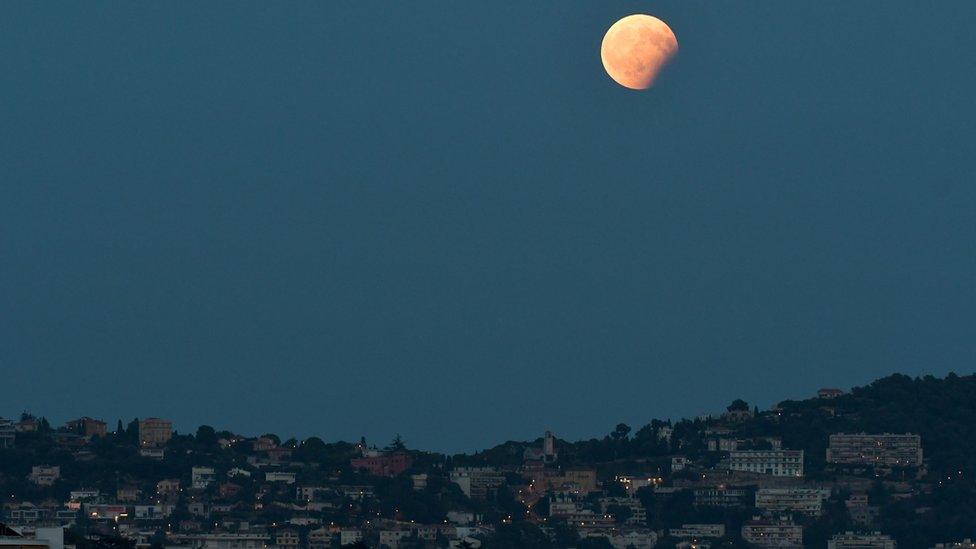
(850, 540)
(885, 450)
(778, 463)
(698, 531)
(773, 533)
(808, 501)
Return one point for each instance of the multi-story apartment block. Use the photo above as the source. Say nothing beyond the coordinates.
(885, 450)
(155, 432)
(773, 533)
(778, 463)
(477, 482)
(808, 501)
(720, 497)
(698, 531)
(850, 540)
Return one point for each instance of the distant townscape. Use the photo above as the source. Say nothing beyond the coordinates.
(888, 465)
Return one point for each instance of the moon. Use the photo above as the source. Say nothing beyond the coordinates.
(636, 48)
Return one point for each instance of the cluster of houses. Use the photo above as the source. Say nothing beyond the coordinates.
(229, 508)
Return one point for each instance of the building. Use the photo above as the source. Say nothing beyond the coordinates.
(678, 463)
(885, 450)
(8, 433)
(860, 511)
(153, 453)
(698, 531)
(636, 511)
(808, 501)
(127, 494)
(88, 427)
(778, 463)
(850, 540)
(391, 538)
(633, 483)
(155, 432)
(385, 464)
(720, 497)
(636, 539)
(287, 537)
(44, 475)
(168, 486)
(964, 544)
(773, 533)
(349, 536)
(223, 540)
(201, 477)
(829, 393)
(478, 482)
(280, 476)
(545, 453)
(320, 538)
(419, 481)
(42, 538)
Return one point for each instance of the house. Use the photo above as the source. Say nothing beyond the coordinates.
(168, 486)
(391, 538)
(229, 490)
(287, 537)
(44, 475)
(349, 536)
(153, 453)
(263, 444)
(383, 465)
(27, 424)
(280, 476)
(320, 538)
(127, 493)
(87, 427)
(155, 432)
(829, 393)
(202, 477)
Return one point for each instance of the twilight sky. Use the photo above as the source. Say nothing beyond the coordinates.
(443, 219)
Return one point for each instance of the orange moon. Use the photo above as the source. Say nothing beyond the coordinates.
(636, 48)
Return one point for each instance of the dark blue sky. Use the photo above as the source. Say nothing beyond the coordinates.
(443, 219)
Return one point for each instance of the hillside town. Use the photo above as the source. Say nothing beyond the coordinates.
(800, 474)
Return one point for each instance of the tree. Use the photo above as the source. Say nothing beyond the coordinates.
(621, 432)
(738, 405)
(206, 436)
(397, 444)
